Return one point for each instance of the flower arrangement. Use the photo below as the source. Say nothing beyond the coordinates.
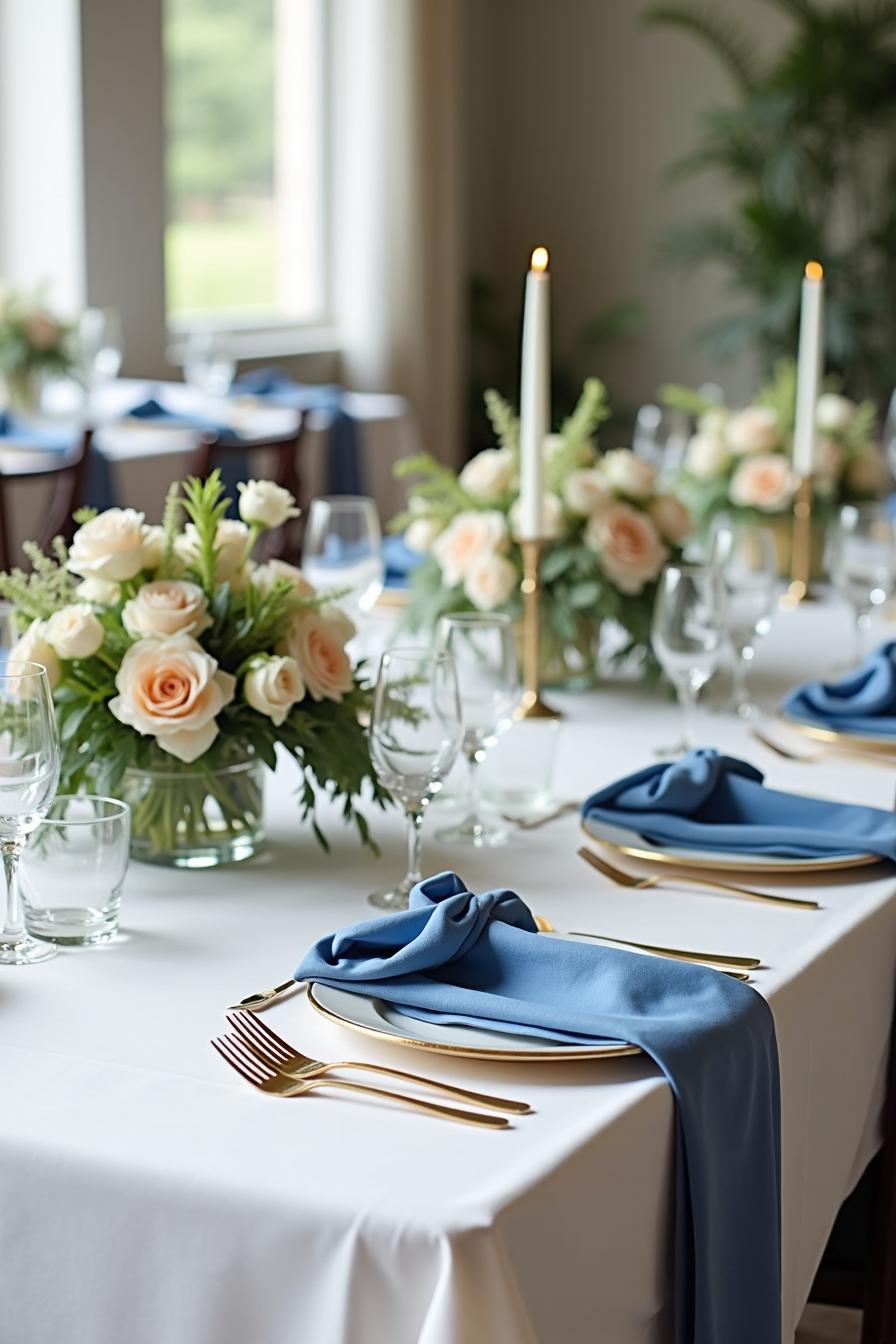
(611, 531)
(169, 650)
(32, 342)
(740, 461)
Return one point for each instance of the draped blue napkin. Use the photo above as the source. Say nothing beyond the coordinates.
(708, 801)
(863, 702)
(455, 957)
(344, 472)
(400, 561)
(50, 439)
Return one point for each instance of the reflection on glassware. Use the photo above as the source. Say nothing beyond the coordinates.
(889, 436)
(415, 734)
(518, 772)
(688, 636)
(744, 554)
(209, 362)
(100, 345)
(485, 658)
(343, 550)
(29, 775)
(73, 868)
(863, 562)
(660, 436)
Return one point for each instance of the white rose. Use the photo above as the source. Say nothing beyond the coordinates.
(672, 518)
(764, 481)
(421, 533)
(35, 647)
(627, 474)
(100, 592)
(552, 520)
(586, 492)
(706, 456)
(74, 631)
(165, 608)
(490, 581)
(110, 546)
(273, 686)
(866, 473)
(834, 414)
(266, 503)
(265, 576)
(828, 460)
(489, 474)
(231, 541)
(628, 546)
(316, 640)
(470, 534)
(754, 430)
(153, 546)
(172, 690)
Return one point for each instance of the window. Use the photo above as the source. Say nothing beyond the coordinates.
(245, 155)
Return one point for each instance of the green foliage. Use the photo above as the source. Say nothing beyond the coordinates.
(437, 488)
(503, 420)
(48, 587)
(206, 505)
(684, 399)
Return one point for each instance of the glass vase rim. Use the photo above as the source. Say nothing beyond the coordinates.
(477, 617)
(191, 771)
(420, 654)
(122, 809)
(341, 501)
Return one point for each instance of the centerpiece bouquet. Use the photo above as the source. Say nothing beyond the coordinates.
(32, 342)
(611, 531)
(178, 666)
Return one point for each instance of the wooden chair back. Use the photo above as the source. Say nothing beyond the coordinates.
(68, 481)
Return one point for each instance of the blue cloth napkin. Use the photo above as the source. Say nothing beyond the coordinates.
(344, 472)
(400, 561)
(709, 801)
(100, 490)
(234, 466)
(863, 702)
(458, 957)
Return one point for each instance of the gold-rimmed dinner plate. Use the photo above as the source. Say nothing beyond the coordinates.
(375, 1017)
(818, 732)
(629, 842)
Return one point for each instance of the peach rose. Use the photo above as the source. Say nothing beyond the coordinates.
(172, 690)
(629, 548)
(471, 534)
(165, 608)
(586, 492)
(490, 581)
(763, 481)
(316, 640)
(754, 430)
(672, 518)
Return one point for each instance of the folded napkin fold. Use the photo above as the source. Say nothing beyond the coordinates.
(709, 801)
(344, 471)
(456, 957)
(862, 702)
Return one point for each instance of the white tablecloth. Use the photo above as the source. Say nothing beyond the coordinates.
(148, 1195)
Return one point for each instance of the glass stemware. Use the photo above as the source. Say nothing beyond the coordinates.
(864, 563)
(343, 549)
(209, 362)
(485, 658)
(744, 554)
(101, 346)
(688, 636)
(415, 734)
(29, 775)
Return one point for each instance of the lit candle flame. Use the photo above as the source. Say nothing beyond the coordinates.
(539, 260)
(814, 270)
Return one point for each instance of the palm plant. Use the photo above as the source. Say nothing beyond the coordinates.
(808, 149)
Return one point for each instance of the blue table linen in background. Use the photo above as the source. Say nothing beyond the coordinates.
(344, 471)
(862, 702)
(708, 801)
(456, 957)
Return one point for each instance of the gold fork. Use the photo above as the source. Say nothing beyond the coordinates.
(721, 961)
(624, 879)
(280, 1055)
(814, 757)
(253, 1002)
(271, 1080)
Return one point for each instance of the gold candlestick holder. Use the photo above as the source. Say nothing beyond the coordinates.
(532, 706)
(800, 547)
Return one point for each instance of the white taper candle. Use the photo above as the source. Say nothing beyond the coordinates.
(809, 368)
(535, 394)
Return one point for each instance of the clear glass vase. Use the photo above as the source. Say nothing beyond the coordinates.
(567, 664)
(188, 816)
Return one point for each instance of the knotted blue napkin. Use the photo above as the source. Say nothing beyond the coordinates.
(709, 801)
(863, 702)
(461, 958)
(344, 472)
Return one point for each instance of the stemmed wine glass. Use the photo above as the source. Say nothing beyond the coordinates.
(485, 658)
(744, 554)
(688, 636)
(209, 362)
(415, 734)
(864, 562)
(29, 775)
(343, 549)
(101, 347)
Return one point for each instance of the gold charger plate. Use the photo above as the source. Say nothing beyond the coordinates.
(560, 1053)
(885, 747)
(723, 862)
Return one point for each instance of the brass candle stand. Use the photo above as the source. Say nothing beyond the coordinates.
(531, 705)
(800, 547)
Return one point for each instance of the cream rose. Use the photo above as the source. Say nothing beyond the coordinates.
(421, 533)
(74, 631)
(100, 592)
(490, 581)
(754, 430)
(706, 456)
(585, 492)
(489, 474)
(764, 481)
(110, 546)
(273, 686)
(172, 690)
(713, 422)
(834, 414)
(231, 541)
(165, 608)
(470, 534)
(316, 640)
(153, 546)
(866, 473)
(627, 474)
(265, 576)
(266, 504)
(552, 519)
(672, 518)
(35, 647)
(629, 548)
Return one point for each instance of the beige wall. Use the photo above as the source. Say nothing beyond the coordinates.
(574, 109)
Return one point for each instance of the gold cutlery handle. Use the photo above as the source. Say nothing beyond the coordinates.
(716, 958)
(730, 889)
(252, 1003)
(450, 1090)
(416, 1103)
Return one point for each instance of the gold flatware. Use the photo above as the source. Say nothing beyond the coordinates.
(720, 959)
(278, 1084)
(253, 1002)
(532, 823)
(280, 1055)
(815, 757)
(624, 879)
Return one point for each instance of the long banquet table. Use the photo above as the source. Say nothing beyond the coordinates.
(148, 1195)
